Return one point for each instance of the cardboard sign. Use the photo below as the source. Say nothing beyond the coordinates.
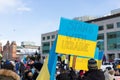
(76, 38)
(81, 62)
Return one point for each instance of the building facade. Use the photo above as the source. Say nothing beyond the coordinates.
(109, 32)
(47, 40)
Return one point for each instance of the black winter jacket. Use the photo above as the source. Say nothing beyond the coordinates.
(94, 75)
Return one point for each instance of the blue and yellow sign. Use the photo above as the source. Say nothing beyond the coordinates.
(76, 38)
(82, 62)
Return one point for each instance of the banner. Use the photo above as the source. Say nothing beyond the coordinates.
(52, 61)
(76, 38)
(81, 62)
(49, 67)
(44, 73)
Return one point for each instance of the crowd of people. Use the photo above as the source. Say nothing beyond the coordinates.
(94, 73)
(29, 67)
(25, 69)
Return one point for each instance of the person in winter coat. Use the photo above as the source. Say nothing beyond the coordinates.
(21, 68)
(28, 75)
(109, 74)
(80, 75)
(37, 67)
(8, 75)
(8, 65)
(93, 73)
(72, 74)
(64, 75)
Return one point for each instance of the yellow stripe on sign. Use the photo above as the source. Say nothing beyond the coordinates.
(71, 61)
(75, 46)
(81, 64)
(99, 63)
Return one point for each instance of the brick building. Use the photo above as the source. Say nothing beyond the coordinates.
(9, 50)
(0, 48)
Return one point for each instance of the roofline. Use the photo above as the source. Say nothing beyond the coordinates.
(49, 32)
(104, 18)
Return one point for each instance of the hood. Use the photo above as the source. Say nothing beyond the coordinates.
(9, 73)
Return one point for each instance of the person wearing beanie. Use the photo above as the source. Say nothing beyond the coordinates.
(93, 72)
(92, 64)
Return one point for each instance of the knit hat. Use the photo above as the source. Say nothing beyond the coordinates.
(92, 64)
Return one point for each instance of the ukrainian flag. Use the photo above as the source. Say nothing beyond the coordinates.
(44, 73)
(76, 38)
(49, 67)
(52, 61)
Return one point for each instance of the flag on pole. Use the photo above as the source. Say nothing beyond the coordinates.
(49, 67)
(52, 61)
(44, 73)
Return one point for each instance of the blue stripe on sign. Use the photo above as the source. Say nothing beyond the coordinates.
(98, 54)
(78, 29)
(101, 53)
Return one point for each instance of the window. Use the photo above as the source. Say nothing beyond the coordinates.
(53, 36)
(43, 38)
(45, 51)
(111, 35)
(109, 26)
(118, 24)
(46, 44)
(48, 37)
(101, 28)
(118, 55)
(100, 36)
(45, 47)
(113, 40)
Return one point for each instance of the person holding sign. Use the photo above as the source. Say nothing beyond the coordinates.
(93, 73)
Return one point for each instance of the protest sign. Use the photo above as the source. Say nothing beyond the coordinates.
(81, 62)
(76, 38)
